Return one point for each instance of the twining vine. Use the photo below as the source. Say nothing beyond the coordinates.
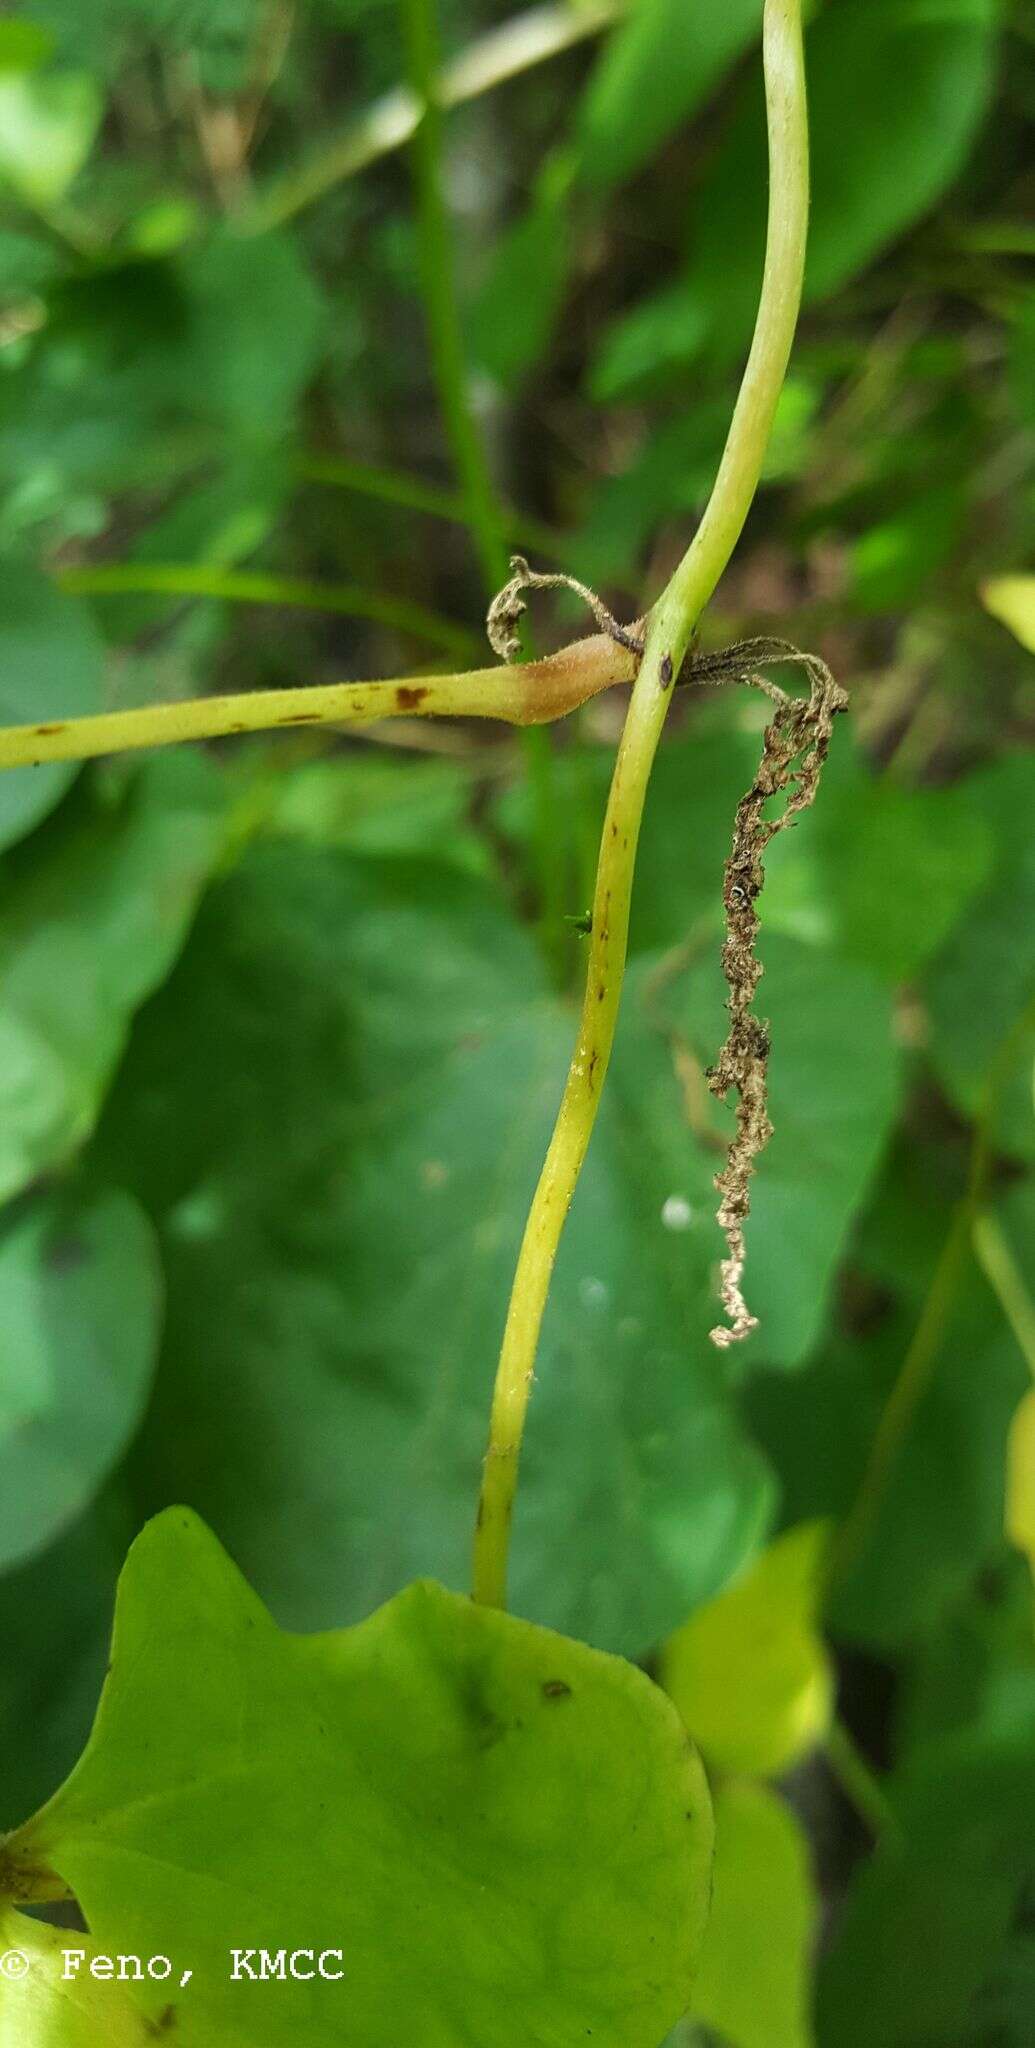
(654, 653)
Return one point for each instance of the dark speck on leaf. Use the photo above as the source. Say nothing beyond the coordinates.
(64, 1254)
(555, 1689)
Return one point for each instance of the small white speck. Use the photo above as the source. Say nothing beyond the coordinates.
(593, 1293)
(676, 1213)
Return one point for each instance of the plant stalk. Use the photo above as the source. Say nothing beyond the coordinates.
(485, 518)
(529, 693)
(504, 52)
(671, 625)
(250, 586)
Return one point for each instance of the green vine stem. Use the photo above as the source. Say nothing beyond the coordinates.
(530, 693)
(485, 518)
(250, 586)
(670, 627)
(415, 494)
(859, 1782)
(1004, 1276)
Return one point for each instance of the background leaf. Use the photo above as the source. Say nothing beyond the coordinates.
(52, 668)
(80, 1301)
(749, 1672)
(752, 1989)
(90, 922)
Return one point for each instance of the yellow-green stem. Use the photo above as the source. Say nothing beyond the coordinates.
(670, 627)
(530, 693)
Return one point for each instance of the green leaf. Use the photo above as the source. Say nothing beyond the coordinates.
(660, 334)
(51, 667)
(23, 44)
(927, 1916)
(753, 1985)
(979, 992)
(256, 323)
(79, 1313)
(749, 1672)
(883, 874)
(92, 915)
(974, 1675)
(657, 68)
(55, 1624)
(897, 92)
(341, 1180)
(27, 263)
(522, 296)
(934, 1513)
(381, 806)
(891, 564)
(1012, 600)
(505, 1834)
(48, 122)
(40, 2009)
(149, 364)
(672, 472)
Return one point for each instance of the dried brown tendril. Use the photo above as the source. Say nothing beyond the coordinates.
(508, 608)
(793, 752)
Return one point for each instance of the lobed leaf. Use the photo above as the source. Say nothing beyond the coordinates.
(506, 1834)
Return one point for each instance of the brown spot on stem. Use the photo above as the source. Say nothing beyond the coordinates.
(409, 696)
(666, 671)
(44, 732)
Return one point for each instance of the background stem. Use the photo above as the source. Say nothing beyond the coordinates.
(486, 519)
(249, 586)
(670, 628)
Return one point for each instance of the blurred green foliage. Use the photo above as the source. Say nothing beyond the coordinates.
(279, 1042)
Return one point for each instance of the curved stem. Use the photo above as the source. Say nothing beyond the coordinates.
(995, 1257)
(530, 693)
(503, 52)
(485, 519)
(670, 627)
(859, 1781)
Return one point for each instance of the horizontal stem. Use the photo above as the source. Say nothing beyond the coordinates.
(247, 586)
(529, 693)
(502, 53)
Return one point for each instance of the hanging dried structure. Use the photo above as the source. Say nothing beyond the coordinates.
(793, 752)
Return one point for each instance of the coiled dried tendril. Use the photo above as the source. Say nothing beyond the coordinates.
(794, 749)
